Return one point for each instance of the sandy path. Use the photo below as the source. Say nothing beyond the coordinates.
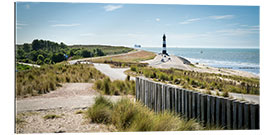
(113, 73)
(64, 102)
(69, 122)
(71, 95)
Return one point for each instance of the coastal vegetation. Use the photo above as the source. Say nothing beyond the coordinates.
(133, 58)
(47, 52)
(21, 67)
(117, 87)
(48, 77)
(126, 115)
(197, 80)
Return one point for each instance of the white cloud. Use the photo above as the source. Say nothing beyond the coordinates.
(157, 19)
(221, 17)
(112, 7)
(87, 34)
(65, 25)
(238, 31)
(21, 24)
(190, 21)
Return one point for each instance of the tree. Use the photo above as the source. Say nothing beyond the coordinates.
(20, 54)
(27, 47)
(99, 52)
(36, 45)
(40, 57)
(87, 53)
(58, 57)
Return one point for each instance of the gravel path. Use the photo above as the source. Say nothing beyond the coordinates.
(64, 102)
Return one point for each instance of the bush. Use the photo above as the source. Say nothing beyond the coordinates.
(101, 111)
(129, 116)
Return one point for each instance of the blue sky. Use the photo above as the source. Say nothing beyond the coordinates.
(129, 24)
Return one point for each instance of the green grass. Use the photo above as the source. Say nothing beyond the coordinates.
(22, 67)
(117, 87)
(133, 116)
(197, 80)
(101, 111)
(51, 116)
(47, 78)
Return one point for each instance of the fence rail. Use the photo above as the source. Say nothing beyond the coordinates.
(208, 109)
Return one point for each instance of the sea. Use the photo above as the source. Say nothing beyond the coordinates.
(243, 59)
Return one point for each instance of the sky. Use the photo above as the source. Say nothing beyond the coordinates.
(128, 24)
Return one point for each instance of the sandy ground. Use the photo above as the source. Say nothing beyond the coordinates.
(175, 62)
(64, 101)
(113, 73)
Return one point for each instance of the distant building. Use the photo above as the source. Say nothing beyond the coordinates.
(137, 46)
(164, 51)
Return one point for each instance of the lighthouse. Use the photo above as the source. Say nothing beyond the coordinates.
(164, 45)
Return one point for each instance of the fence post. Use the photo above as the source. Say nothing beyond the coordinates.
(199, 107)
(254, 116)
(183, 102)
(190, 104)
(175, 100)
(223, 112)
(208, 109)
(179, 91)
(203, 108)
(146, 93)
(163, 97)
(172, 99)
(218, 112)
(186, 103)
(229, 113)
(235, 111)
(240, 115)
(246, 116)
(213, 109)
(194, 104)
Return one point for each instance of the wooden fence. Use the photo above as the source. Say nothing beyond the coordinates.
(208, 109)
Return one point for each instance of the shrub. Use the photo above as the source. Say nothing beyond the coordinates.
(51, 116)
(133, 116)
(101, 111)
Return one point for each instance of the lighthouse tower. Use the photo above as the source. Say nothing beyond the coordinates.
(164, 45)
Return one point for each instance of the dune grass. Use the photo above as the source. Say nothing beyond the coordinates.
(51, 116)
(198, 80)
(47, 78)
(117, 87)
(126, 60)
(133, 116)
